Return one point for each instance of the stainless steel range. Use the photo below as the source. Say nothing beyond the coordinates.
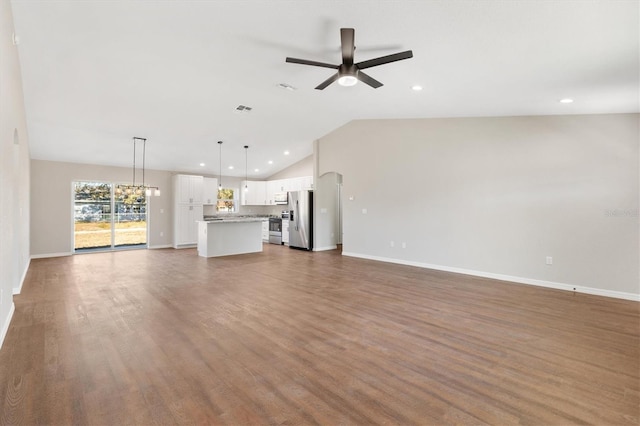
(275, 230)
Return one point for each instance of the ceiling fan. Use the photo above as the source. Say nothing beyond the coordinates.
(349, 72)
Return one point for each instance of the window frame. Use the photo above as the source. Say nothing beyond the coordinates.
(234, 200)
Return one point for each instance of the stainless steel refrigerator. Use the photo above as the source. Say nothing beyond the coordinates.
(301, 220)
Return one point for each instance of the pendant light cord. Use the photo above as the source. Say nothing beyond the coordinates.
(144, 157)
(220, 169)
(246, 162)
(133, 183)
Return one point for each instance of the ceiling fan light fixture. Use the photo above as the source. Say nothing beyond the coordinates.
(347, 80)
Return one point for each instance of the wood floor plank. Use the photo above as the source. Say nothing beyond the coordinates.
(292, 337)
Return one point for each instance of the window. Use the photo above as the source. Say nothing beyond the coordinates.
(226, 200)
(95, 227)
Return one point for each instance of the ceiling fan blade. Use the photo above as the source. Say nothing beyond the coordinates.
(328, 81)
(368, 80)
(312, 63)
(384, 60)
(347, 40)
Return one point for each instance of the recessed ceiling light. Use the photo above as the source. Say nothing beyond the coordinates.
(286, 153)
(270, 162)
(230, 167)
(416, 88)
(566, 101)
(202, 164)
(256, 170)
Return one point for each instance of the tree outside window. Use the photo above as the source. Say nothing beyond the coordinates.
(226, 200)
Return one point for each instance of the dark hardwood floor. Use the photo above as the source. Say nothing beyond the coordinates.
(291, 337)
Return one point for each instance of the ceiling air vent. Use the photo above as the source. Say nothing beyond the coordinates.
(242, 109)
(286, 86)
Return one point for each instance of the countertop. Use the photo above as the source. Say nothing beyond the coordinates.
(235, 219)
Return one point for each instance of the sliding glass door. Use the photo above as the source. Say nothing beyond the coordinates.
(130, 218)
(107, 217)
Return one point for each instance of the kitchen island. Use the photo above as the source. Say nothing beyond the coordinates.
(225, 237)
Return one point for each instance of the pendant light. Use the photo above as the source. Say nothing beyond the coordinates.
(220, 169)
(246, 172)
(147, 189)
(134, 189)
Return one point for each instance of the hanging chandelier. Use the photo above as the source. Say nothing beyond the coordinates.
(134, 189)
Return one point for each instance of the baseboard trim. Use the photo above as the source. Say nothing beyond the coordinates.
(7, 322)
(162, 246)
(184, 246)
(325, 248)
(46, 255)
(501, 277)
(18, 290)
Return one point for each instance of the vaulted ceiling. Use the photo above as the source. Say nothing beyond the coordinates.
(97, 73)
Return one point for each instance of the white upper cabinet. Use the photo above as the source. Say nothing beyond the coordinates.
(255, 193)
(188, 189)
(210, 191)
(261, 193)
(272, 187)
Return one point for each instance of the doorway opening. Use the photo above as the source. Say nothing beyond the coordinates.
(107, 217)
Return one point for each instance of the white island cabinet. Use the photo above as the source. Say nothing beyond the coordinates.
(229, 236)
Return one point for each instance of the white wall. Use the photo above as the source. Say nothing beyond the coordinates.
(496, 196)
(302, 168)
(14, 173)
(326, 223)
(52, 207)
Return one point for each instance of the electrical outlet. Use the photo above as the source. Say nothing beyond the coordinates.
(162, 234)
(549, 260)
(392, 244)
(364, 211)
(404, 245)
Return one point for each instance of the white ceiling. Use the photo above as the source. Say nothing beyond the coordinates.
(97, 73)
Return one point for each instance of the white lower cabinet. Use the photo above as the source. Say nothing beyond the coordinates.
(185, 232)
(285, 232)
(265, 231)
